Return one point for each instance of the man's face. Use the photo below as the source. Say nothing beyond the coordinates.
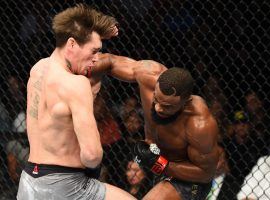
(134, 173)
(165, 109)
(133, 122)
(241, 130)
(85, 56)
(253, 103)
(216, 109)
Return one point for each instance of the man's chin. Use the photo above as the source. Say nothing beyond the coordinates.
(162, 119)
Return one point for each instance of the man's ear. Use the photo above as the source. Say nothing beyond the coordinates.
(71, 42)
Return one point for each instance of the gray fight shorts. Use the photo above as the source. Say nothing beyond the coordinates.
(59, 186)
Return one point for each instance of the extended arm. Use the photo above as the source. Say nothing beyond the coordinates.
(120, 67)
(128, 69)
(202, 152)
(148, 134)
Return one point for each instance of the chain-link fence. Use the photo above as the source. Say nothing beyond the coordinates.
(225, 45)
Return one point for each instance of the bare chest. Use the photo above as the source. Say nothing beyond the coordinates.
(172, 141)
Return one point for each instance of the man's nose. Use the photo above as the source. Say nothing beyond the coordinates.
(95, 58)
(158, 108)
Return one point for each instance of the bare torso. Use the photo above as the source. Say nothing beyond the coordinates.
(49, 122)
(172, 139)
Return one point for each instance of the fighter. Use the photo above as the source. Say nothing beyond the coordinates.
(62, 131)
(180, 132)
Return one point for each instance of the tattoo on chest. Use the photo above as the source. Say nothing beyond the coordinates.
(35, 96)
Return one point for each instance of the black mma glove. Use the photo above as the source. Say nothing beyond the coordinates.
(149, 156)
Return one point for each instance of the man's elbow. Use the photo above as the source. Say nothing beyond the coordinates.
(209, 175)
(91, 159)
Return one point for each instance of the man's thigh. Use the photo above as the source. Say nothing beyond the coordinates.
(162, 191)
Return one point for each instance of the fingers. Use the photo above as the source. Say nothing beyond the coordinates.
(115, 31)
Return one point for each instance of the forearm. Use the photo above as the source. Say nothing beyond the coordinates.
(148, 135)
(189, 172)
(91, 150)
(91, 160)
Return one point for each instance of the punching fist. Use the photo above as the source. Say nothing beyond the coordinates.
(149, 156)
(113, 32)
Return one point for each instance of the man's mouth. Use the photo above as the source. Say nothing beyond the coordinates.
(162, 115)
(88, 71)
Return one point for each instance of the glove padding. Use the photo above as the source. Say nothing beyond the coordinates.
(149, 156)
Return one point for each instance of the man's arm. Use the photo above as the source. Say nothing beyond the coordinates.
(80, 101)
(148, 134)
(120, 67)
(202, 152)
(222, 166)
(128, 69)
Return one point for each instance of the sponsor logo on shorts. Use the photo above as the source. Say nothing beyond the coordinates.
(35, 170)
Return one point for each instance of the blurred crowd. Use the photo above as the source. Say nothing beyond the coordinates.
(243, 169)
(242, 112)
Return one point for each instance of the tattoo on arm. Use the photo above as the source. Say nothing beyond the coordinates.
(37, 84)
(35, 96)
(34, 106)
(146, 63)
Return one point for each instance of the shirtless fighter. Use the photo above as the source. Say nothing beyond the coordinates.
(181, 134)
(62, 132)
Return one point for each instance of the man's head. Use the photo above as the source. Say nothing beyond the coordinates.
(241, 125)
(134, 174)
(79, 22)
(173, 89)
(79, 30)
(253, 102)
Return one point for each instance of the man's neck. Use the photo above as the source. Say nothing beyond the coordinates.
(58, 56)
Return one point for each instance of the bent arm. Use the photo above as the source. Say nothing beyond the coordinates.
(203, 156)
(202, 170)
(84, 123)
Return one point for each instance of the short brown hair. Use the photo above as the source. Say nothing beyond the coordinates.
(79, 22)
(176, 81)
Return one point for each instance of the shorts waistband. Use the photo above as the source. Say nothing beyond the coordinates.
(165, 178)
(37, 170)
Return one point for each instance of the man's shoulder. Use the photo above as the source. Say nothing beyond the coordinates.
(74, 84)
(201, 121)
(199, 109)
(39, 66)
(198, 102)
